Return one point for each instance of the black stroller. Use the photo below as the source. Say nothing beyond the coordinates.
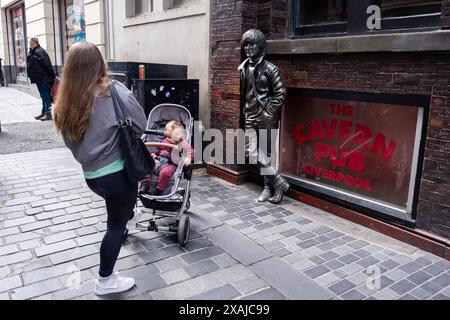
(174, 201)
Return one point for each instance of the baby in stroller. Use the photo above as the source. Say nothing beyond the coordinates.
(167, 157)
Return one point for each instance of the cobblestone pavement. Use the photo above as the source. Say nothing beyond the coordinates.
(51, 226)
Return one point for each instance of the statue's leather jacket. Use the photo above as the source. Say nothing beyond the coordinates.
(269, 90)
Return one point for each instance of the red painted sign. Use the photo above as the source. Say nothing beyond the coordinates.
(359, 147)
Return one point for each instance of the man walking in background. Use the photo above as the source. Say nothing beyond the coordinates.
(40, 71)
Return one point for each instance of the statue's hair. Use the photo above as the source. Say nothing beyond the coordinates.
(254, 36)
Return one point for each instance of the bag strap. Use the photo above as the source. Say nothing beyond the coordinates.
(122, 120)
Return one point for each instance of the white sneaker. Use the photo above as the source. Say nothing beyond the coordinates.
(112, 284)
(132, 223)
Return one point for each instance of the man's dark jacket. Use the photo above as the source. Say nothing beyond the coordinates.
(39, 66)
(269, 90)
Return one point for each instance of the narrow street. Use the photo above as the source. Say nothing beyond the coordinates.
(51, 226)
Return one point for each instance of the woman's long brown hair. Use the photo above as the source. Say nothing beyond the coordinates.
(84, 73)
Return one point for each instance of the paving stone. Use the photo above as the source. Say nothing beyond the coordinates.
(74, 254)
(224, 260)
(175, 276)
(225, 292)
(290, 232)
(410, 267)
(235, 244)
(306, 236)
(333, 264)
(440, 297)
(420, 293)
(341, 287)
(8, 249)
(128, 263)
(37, 289)
(361, 253)
(161, 254)
(403, 286)
(407, 297)
(431, 287)
(386, 294)
(60, 236)
(353, 295)
(327, 246)
(250, 284)
(4, 232)
(90, 239)
(419, 277)
(358, 244)
(153, 244)
(327, 279)
(19, 221)
(74, 292)
(196, 244)
(200, 268)
(367, 262)
(358, 278)
(30, 244)
(146, 279)
(36, 226)
(266, 294)
(174, 292)
(329, 255)
(343, 250)
(55, 247)
(9, 283)
(389, 264)
(443, 280)
(348, 258)
(170, 264)
(423, 261)
(303, 264)
(316, 271)
(436, 268)
(308, 243)
(15, 258)
(322, 230)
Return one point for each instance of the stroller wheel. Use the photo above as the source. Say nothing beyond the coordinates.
(184, 226)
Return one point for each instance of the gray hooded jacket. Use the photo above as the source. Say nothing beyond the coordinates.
(100, 144)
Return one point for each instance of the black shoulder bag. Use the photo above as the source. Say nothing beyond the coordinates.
(138, 162)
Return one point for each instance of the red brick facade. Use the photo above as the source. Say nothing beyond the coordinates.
(426, 73)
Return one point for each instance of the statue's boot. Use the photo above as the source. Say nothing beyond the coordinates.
(267, 192)
(280, 186)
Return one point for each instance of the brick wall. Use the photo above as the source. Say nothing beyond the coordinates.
(425, 73)
(445, 18)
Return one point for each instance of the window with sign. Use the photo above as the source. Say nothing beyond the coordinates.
(73, 22)
(20, 46)
(354, 149)
(347, 17)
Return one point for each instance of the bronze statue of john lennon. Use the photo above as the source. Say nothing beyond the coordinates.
(262, 96)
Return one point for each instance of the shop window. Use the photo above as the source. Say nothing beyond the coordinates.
(20, 45)
(136, 8)
(342, 17)
(73, 22)
(355, 146)
(181, 3)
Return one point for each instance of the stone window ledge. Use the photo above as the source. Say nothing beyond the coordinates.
(171, 14)
(397, 42)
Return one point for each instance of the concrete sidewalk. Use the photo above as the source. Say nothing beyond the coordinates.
(51, 226)
(17, 106)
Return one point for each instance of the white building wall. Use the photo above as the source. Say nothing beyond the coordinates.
(174, 36)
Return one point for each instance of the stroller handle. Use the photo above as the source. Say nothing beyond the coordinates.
(159, 132)
(159, 144)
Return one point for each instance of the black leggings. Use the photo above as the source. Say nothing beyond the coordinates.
(120, 197)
